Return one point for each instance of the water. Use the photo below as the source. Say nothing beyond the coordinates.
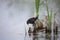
(42, 36)
(13, 17)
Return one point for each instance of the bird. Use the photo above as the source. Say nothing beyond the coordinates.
(37, 24)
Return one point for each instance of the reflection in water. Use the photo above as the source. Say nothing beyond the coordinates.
(55, 37)
(35, 37)
(47, 36)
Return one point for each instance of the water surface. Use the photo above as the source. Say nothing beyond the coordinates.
(14, 14)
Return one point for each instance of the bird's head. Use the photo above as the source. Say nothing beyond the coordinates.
(32, 20)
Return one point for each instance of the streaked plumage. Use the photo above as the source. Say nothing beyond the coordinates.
(37, 24)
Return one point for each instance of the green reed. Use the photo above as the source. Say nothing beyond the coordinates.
(49, 15)
(38, 3)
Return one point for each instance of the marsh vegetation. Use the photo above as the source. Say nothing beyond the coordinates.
(49, 25)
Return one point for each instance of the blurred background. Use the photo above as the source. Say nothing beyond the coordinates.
(14, 14)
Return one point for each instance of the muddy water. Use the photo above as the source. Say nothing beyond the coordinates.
(13, 17)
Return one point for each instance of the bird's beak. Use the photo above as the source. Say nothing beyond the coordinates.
(27, 23)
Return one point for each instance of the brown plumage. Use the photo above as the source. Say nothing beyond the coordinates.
(37, 24)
